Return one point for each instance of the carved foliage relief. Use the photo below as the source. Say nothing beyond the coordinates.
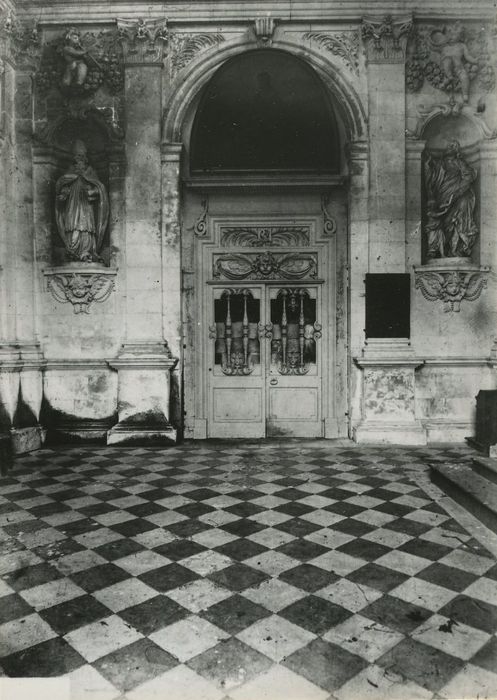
(268, 236)
(450, 58)
(345, 45)
(184, 48)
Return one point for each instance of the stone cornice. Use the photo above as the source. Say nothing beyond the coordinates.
(93, 11)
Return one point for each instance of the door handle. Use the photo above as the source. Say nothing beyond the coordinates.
(273, 381)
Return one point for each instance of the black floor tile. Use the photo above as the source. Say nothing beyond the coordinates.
(238, 577)
(470, 611)
(308, 577)
(364, 549)
(135, 664)
(12, 607)
(154, 614)
(48, 659)
(298, 527)
(447, 576)
(99, 577)
(422, 664)
(235, 614)
(168, 577)
(179, 549)
(315, 614)
(324, 664)
(68, 616)
(31, 576)
(303, 550)
(396, 614)
(241, 549)
(118, 549)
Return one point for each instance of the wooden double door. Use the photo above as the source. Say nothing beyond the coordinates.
(265, 317)
(264, 357)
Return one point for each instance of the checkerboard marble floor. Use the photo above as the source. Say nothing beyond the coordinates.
(290, 570)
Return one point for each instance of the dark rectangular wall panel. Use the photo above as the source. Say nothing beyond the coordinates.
(388, 306)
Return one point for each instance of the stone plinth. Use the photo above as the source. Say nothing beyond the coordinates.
(143, 396)
(486, 423)
(388, 407)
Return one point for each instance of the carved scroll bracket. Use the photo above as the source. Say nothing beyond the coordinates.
(451, 284)
(330, 225)
(80, 285)
(200, 225)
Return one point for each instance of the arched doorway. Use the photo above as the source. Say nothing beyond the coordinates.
(264, 253)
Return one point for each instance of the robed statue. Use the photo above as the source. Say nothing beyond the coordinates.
(81, 208)
(450, 211)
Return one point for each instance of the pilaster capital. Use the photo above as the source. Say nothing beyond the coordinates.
(144, 42)
(20, 43)
(385, 38)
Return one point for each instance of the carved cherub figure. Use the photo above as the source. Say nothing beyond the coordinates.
(74, 54)
(454, 54)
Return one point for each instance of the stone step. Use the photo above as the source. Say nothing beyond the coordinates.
(472, 490)
(6, 455)
(486, 467)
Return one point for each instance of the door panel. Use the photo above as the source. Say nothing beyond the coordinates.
(236, 385)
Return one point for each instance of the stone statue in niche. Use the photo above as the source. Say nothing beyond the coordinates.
(450, 224)
(81, 209)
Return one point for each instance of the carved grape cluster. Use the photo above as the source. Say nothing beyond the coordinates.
(414, 76)
(114, 76)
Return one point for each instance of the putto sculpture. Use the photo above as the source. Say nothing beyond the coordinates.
(81, 209)
(450, 225)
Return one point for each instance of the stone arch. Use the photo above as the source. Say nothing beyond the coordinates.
(346, 99)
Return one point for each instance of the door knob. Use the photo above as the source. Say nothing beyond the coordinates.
(273, 381)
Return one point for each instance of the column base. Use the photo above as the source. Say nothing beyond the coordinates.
(141, 435)
(27, 439)
(390, 434)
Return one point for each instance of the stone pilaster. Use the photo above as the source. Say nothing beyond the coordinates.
(414, 155)
(385, 42)
(145, 362)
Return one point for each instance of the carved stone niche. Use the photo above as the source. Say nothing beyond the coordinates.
(78, 173)
(451, 270)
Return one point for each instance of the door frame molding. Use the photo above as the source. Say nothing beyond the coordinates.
(201, 233)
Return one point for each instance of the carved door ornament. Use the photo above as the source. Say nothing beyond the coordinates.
(232, 334)
(264, 236)
(266, 265)
(294, 331)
